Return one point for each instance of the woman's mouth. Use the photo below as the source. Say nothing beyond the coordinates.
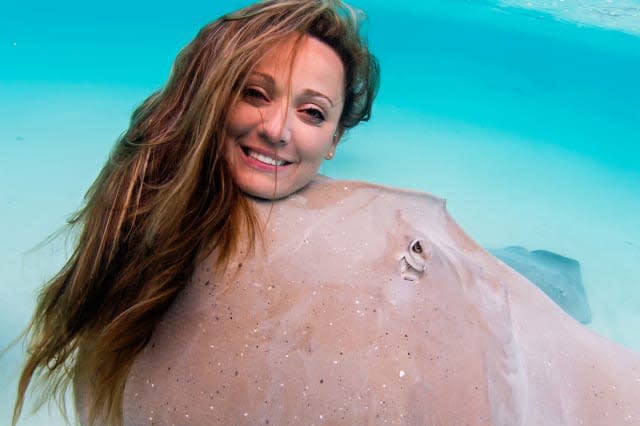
(264, 159)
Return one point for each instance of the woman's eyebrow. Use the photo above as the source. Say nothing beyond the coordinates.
(264, 77)
(268, 80)
(315, 93)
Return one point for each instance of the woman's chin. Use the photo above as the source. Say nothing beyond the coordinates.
(272, 193)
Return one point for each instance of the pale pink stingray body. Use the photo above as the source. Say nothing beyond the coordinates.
(369, 305)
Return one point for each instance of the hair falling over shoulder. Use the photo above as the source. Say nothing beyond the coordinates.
(165, 200)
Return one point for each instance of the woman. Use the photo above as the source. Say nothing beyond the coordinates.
(254, 104)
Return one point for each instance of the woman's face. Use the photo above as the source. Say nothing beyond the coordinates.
(286, 121)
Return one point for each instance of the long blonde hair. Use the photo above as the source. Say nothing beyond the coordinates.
(165, 199)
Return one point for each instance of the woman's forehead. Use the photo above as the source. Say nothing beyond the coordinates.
(304, 62)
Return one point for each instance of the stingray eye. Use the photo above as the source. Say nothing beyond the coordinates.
(414, 264)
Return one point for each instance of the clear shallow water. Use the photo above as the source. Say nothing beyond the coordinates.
(526, 119)
(620, 15)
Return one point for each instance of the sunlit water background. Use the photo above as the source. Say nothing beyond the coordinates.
(525, 116)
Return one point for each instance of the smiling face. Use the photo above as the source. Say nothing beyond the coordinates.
(286, 121)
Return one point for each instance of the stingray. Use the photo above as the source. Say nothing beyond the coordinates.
(558, 276)
(369, 305)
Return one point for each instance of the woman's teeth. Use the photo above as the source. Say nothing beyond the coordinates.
(264, 159)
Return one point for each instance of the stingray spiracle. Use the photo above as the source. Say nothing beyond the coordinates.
(413, 265)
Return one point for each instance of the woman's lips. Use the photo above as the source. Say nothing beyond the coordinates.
(262, 160)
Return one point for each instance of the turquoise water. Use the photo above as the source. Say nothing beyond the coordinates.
(526, 118)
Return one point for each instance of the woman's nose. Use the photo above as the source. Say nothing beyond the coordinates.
(276, 125)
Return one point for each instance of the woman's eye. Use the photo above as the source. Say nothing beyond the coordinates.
(254, 94)
(314, 114)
